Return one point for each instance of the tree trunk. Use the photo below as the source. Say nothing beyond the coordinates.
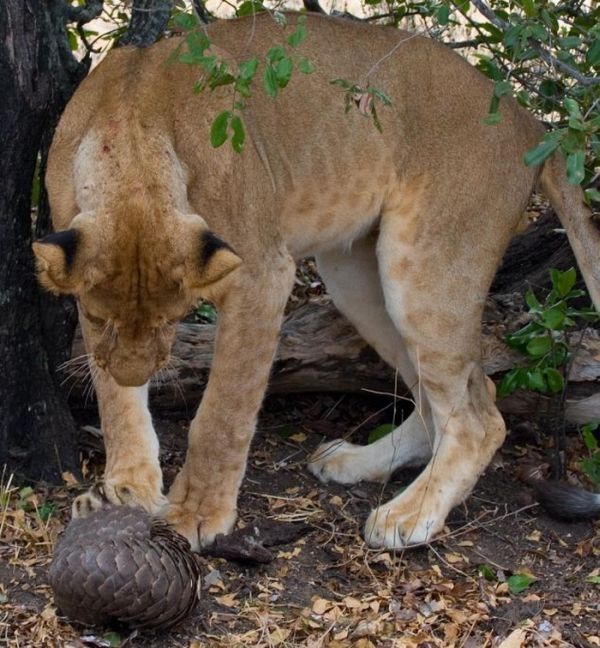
(38, 75)
(37, 433)
(320, 351)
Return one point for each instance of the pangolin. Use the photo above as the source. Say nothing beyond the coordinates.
(121, 565)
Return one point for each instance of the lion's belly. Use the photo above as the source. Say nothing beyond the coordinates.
(323, 216)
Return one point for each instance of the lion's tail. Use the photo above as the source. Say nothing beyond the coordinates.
(561, 500)
(576, 218)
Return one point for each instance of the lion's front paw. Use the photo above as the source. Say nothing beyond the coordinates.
(200, 530)
(345, 463)
(136, 486)
(398, 525)
(88, 502)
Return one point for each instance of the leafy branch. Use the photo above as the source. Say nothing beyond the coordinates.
(277, 69)
(543, 340)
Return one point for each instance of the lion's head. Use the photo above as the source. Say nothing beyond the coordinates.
(135, 273)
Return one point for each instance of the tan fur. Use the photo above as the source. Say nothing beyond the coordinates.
(408, 227)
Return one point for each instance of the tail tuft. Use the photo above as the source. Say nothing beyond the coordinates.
(567, 502)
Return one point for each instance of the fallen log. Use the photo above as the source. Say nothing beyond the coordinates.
(320, 351)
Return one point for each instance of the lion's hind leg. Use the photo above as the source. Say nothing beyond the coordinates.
(352, 279)
(435, 288)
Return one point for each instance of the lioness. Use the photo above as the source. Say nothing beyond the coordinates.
(407, 225)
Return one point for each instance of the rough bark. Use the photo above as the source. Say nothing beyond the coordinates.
(38, 74)
(148, 20)
(36, 429)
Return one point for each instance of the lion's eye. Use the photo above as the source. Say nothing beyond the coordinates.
(96, 321)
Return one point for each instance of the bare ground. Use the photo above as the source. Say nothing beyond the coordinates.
(328, 588)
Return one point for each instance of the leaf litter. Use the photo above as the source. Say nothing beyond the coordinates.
(503, 575)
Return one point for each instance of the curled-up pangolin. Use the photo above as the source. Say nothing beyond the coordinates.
(121, 565)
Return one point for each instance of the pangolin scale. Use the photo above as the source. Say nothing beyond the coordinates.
(120, 565)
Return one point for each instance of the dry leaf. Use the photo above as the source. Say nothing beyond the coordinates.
(321, 605)
(226, 599)
(516, 639)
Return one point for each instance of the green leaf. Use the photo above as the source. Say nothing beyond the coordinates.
(511, 381)
(589, 438)
(563, 282)
(207, 312)
(502, 88)
(490, 69)
(569, 42)
(299, 33)
(555, 379)
(591, 467)
(186, 21)
(270, 82)
(197, 43)
(554, 318)
(280, 18)
(518, 583)
(275, 53)
(529, 8)
(559, 354)
(592, 56)
(379, 94)
(25, 492)
(492, 119)
(239, 134)
(218, 130)
(73, 42)
(539, 346)
(443, 14)
(247, 69)
(536, 381)
(283, 71)
(221, 79)
(45, 511)
(531, 300)
(305, 66)
(592, 195)
(487, 573)
(572, 107)
(379, 432)
(346, 85)
(595, 580)
(576, 167)
(541, 152)
(249, 7)
(114, 639)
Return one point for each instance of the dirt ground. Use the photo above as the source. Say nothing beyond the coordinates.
(327, 588)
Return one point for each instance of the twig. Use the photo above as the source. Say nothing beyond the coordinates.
(83, 14)
(536, 45)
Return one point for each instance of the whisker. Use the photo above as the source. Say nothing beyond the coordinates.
(76, 361)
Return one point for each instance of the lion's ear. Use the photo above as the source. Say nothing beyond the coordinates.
(55, 256)
(216, 260)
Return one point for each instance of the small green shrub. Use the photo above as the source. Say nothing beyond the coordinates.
(591, 464)
(543, 341)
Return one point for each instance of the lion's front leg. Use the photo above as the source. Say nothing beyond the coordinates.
(203, 498)
(132, 474)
